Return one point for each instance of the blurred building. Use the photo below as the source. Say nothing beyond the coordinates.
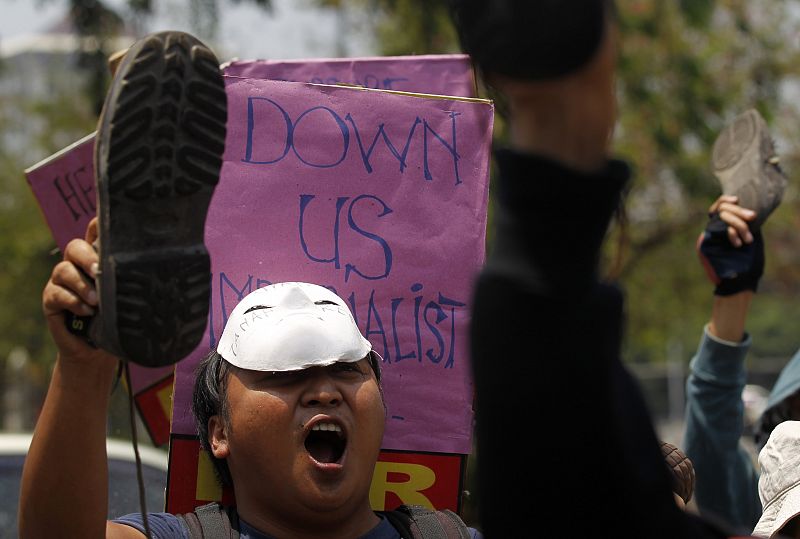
(45, 71)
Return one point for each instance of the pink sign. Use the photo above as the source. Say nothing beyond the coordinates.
(444, 74)
(380, 196)
(64, 187)
(64, 183)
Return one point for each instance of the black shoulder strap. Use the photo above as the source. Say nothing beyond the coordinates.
(212, 521)
(418, 522)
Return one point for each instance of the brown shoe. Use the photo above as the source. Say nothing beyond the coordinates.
(745, 162)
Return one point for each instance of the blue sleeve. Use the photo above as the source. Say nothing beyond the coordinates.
(726, 482)
(162, 525)
(474, 534)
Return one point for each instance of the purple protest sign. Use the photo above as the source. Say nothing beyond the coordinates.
(444, 74)
(64, 186)
(380, 196)
(64, 183)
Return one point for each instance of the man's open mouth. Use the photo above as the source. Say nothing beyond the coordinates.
(326, 442)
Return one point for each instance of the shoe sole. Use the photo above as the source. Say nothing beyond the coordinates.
(158, 156)
(745, 162)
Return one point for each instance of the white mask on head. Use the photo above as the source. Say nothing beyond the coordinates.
(291, 326)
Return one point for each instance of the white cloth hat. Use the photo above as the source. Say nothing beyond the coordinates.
(291, 326)
(779, 485)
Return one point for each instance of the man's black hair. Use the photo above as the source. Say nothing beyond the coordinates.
(530, 39)
(209, 398)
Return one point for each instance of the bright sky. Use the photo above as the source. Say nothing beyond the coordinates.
(293, 29)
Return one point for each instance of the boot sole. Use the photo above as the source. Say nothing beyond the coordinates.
(158, 157)
(741, 160)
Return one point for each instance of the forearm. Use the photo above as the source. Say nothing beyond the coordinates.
(726, 479)
(728, 316)
(65, 478)
(714, 392)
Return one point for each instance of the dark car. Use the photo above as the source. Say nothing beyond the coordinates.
(123, 490)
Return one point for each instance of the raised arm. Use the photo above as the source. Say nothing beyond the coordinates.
(726, 480)
(545, 335)
(65, 478)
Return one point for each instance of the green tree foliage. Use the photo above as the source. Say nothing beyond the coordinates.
(26, 244)
(406, 26)
(96, 23)
(685, 70)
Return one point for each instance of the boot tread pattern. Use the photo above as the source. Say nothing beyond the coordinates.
(172, 104)
(162, 306)
(159, 155)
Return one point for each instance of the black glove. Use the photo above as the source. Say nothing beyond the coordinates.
(731, 269)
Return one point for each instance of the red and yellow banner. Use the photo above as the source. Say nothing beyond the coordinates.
(154, 404)
(431, 479)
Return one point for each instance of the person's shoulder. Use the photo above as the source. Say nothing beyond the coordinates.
(434, 523)
(162, 525)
